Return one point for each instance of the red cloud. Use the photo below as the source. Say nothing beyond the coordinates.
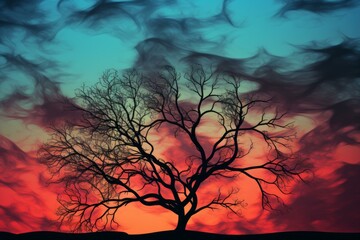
(25, 204)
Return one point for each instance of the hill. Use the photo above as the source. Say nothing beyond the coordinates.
(169, 235)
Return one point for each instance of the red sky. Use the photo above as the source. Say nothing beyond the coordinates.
(327, 203)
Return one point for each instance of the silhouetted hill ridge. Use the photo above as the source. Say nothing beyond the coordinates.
(171, 235)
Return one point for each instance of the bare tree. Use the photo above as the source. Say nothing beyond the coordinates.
(109, 157)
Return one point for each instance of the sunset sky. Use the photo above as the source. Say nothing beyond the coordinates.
(306, 54)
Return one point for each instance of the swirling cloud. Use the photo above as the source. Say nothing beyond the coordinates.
(315, 6)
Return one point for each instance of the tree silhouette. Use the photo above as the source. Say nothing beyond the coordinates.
(109, 157)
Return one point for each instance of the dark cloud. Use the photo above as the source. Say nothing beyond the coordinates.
(329, 84)
(15, 167)
(325, 203)
(142, 13)
(226, 226)
(10, 214)
(333, 73)
(344, 117)
(189, 31)
(13, 164)
(35, 70)
(159, 47)
(188, 27)
(15, 217)
(336, 68)
(45, 105)
(226, 15)
(155, 53)
(315, 6)
(342, 127)
(331, 76)
(36, 98)
(119, 16)
(47, 108)
(100, 13)
(234, 66)
(10, 154)
(28, 16)
(171, 40)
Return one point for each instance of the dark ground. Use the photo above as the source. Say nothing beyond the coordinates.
(188, 235)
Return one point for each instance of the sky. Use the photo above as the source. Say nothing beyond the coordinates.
(306, 54)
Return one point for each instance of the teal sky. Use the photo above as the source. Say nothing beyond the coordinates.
(83, 48)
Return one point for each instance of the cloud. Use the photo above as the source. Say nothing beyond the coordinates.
(45, 105)
(341, 128)
(174, 39)
(19, 219)
(35, 96)
(325, 204)
(15, 21)
(332, 71)
(117, 18)
(13, 162)
(10, 151)
(315, 6)
(328, 84)
(24, 207)
(99, 14)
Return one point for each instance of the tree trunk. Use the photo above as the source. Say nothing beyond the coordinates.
(182, 222)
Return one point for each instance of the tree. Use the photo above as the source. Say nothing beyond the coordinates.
(108, 158)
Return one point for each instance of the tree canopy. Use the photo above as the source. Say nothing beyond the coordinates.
(112, 156)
